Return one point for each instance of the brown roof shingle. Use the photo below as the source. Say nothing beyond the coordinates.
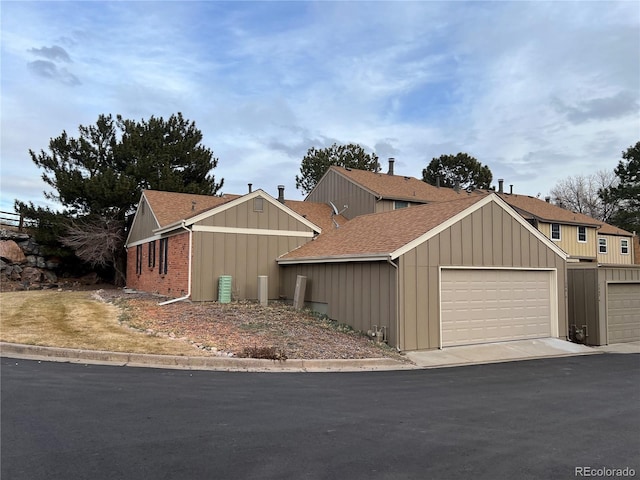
(319, 214)
(381, 233)
(170, 207)
(398, 187)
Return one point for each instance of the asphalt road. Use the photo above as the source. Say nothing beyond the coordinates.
(536, 419)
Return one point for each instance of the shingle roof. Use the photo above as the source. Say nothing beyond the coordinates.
(319, 214)
(534, 208)
(398, 187)
(170, 207)
(381, 233)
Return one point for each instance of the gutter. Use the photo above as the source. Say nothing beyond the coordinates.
(392, 263)
(188, 295)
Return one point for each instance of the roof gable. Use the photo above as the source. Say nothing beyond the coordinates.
(171, 207)
(534, 208)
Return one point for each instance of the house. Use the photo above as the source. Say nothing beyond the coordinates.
(359, 192)
(456, 272)
(180, 244)
(583, 238)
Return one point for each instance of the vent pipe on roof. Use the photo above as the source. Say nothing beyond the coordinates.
(547, 199)
(391, 162)
(281, 193)
(193, 206)
(501, 185)
(456, 185)
(438, 181)
(510, 189)
(250, 187)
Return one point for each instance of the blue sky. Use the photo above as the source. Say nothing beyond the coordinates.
(537, 91)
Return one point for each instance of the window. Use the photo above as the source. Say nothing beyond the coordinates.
(139, 259)
(163, 256)
(152, 254)
(624, 246)
(555, 231)
(258, 204)
(582, 234)
(602, 245)
(400, 204)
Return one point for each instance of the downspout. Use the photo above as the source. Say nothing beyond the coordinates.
(186, 297)
(390, 262)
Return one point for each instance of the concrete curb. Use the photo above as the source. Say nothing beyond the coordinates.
(70, 355)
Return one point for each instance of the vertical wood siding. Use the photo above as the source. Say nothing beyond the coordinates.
(144, 225)
(569, 240)
(340, 191)
(614, 251)
(488, 237)
(359, 294)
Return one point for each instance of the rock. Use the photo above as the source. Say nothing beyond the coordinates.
(90, 279)
(40, 263)
(50, 276)
(53, 263)
(31, 275)
(12, 235)
(32, 260)
(30, 246)
(10, 251)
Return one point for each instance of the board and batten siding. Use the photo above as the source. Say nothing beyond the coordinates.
(569, 240)
(614, 250)
(144, 225)
(587, 296)
(244, 256)
(488, 237)
(340, 191)
(359, 294)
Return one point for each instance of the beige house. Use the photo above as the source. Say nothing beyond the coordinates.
(179, 244)
(458, 272)
(583, 238)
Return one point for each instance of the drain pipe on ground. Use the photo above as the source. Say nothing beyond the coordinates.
(186, 297)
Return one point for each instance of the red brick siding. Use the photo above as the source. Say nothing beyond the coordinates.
(176, 281)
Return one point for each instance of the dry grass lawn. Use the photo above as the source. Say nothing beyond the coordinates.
(76, 320)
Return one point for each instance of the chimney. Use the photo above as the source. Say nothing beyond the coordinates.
(250, 187)
(281, 193)
(391, 162)
(547, 199)
(456, 185)
(438, 181)
(501, 185)
(510, 189)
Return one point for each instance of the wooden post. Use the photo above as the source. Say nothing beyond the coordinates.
(298, 296)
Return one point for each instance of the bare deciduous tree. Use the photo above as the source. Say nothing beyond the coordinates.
(579, 194)
(96, 240)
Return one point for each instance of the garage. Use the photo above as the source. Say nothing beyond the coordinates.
(495, 305)
(623, 305)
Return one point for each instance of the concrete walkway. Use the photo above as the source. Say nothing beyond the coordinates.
(500, 352)
(448, 357)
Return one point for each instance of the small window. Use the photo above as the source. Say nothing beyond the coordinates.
(258, 204)
(602, 245)
(555, 231)
(139, 259)
(152, 254)
(582, 234)
(624, 246)
(163, 257)
(400, 204)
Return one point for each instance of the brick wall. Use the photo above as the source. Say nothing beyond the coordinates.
(175, 282)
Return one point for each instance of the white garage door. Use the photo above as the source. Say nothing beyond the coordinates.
(623, 312)
(482, 306)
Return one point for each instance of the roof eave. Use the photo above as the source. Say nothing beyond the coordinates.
(336, 259)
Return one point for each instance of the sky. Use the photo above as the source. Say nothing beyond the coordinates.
(538, 91)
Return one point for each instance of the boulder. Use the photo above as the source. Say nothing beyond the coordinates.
(31, 275)
(31, 260)
(11, 252)
(49, 276)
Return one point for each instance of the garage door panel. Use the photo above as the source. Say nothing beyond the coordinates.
(623, 312)
(481, 306)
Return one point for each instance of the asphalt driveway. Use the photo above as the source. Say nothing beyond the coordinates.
(537, 419)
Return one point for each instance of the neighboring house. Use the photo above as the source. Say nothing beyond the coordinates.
(583, 238)
(359, 192)
(463, 271)
(180, 244)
